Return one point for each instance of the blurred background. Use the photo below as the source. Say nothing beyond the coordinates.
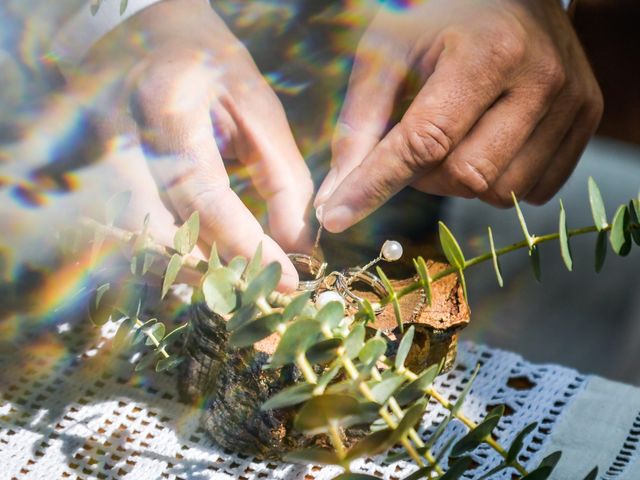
(53, 168)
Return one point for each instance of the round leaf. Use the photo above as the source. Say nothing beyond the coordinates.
(264, 283)
(321, 456)
(518, 442)
(417, 387)
(186, 236)
(218, 290)
(597, 205)
(331, 314)
(354, 341)
(298, 337)
(619, 236)
(450, 247)
(476, 436)
(175, 263)
(372, 444)
(255, 331)
(156, 331)
(289, 396)
(296, 307)
(168, 363)
(123, 333)
(382, 390)
(372, 351)
(404, 347)
(318, 413)
(244, 315)
(324, 351)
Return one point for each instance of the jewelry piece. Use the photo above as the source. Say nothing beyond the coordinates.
(346, 278)
(328, 296)
(310, 267)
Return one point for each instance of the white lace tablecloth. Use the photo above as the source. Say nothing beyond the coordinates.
(69, 408)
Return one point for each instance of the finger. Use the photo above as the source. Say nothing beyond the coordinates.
(567, 155)
(480, 159)
(265, 144)
(375, 81)
(185, 161)
(445, 109)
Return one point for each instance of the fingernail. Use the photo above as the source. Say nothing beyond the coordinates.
(319, 213)
(327, 187)
(337, 219)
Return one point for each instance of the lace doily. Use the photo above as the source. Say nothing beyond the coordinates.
(70, 408)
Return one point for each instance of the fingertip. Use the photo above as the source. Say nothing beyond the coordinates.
(339, 218)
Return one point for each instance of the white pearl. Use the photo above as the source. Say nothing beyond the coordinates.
(327, 297)
(391, 250)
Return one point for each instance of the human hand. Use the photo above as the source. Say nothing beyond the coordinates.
(192, 95)
(506, 102)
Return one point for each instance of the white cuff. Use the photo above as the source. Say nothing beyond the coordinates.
(76, 37)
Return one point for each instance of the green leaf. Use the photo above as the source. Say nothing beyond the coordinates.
(116, 206)
(123, 6)
(450, 247)
(365, 312)
(592, 475)
(100, 311)
(123, 333)
(477, 435)
(545, 468)
(314, 455)
(186, 236)
(95, 6)
(214, 259)
(354, 341)
(601, 250)
(404, 347)
(565, 248)
(253, 332)
(425, 278)
(534, 259)
(597, 205)
(392, 297)
(219, 292)
(355, 476)
(331, 314)
(264, 283)
(382, 390)
(289, 396)
(156, 331)
(518, 442)
(170, 275)
(298, 337)
(372, 444)
(409, 420)
(296, 307)
(634, 219)
(244, 315)
(324, 351)
(174, 335)
(168, 363)
(253, 268)
(417, 388)
(494, 257)
(328, 376)
(420, 474)
(619, 236)
(523, 224)
(463, 282)
(458, 405)
(147, 261)
(237, 266)
(457, 469)
(320, 411)
(372, 351)
(146, 361)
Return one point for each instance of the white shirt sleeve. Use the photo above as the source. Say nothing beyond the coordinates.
(76, 37)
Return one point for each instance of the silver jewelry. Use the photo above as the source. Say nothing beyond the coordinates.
(346, 278)
(308, 266)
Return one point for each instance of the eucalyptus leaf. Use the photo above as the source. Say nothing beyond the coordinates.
(329, 375)
(392, 297)
(404, 347)
(518, 442)
(123, 6)
(523, 224)
(237, 265)
(100, 311)
(565, 248)
(372, 444)
(170, 275)
(324, 351)
(298, 337)
(174, 335)
(417, 388)
(457, 469)
(253, 332)
(116, 206)
(214, 258)
(384, 389)
(463, 282)
(425, 279)
(634, 219)
(545, 468)
(534, 259)
(619, 236)
(319, 412)
(289, 396)
(601, 250)
(244, 315)
(95, 6)
(123, 333)
(355, 476)
(147, 261)
(597, 205)
(420, 474)
(296, 307)
(253, 267)
(314, 455)
(365, 312)
(168, 363)
(218, 290)
(354, 341)
(409, 420)
(146, 361)
(156, 330)
(372, 351)
(331, 314)
(592, 475)
(263, 284)
(477, 435)
(495, 259)
(139, 332)
(186, 236)
(450, 247)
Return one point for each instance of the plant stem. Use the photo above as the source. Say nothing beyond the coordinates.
(153, 339)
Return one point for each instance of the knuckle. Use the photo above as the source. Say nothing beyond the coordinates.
(554, 74)
(477, 177)
(425, 143)
(506, 47)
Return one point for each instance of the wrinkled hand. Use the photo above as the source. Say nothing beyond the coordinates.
(175, 77)
(506, 102)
